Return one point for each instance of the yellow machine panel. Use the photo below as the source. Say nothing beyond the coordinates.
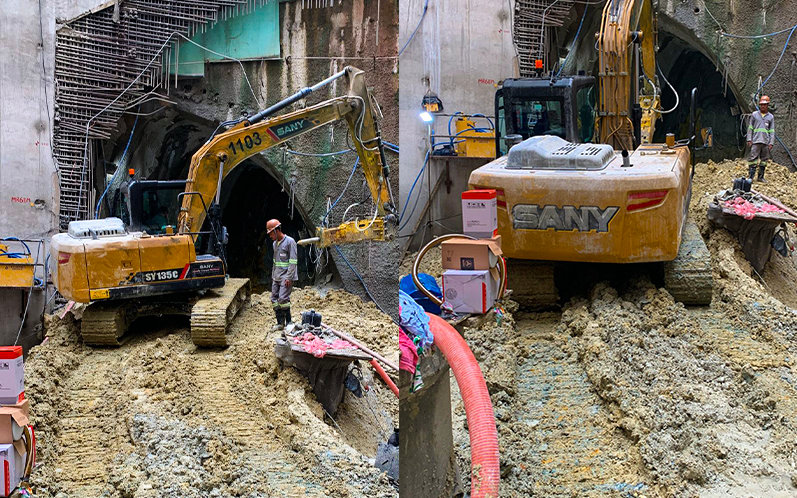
(158, 253)
(15, 272)
(612, 214)
(472, 141)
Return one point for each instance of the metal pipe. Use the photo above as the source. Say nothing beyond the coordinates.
(347, 337)
(304, 92)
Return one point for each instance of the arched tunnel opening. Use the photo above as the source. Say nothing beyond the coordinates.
(685, 67)
(161, 149)
(249, 198)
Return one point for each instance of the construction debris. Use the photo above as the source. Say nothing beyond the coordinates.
(627, 392)
(160, 416)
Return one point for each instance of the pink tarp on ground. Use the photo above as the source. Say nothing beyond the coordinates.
(317, 347)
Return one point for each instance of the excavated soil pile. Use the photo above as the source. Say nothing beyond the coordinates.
(160, 417)
(626, 392)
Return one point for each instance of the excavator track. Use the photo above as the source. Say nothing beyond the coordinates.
(213, 313)
(105, 324)
(532, 284)
(688, 277)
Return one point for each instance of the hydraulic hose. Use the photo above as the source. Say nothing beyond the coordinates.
(385, 377)
(484, 466)
(417, 263)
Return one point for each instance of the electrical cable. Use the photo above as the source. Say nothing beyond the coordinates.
(677, 98)
(425, 7)
(46, 96)
(753, 37)
(356, 163)
(785, 45)
(787, 151)
(409, 195)
(575, 40)
(118, 168)
(360, 278)
(30, 290)
(135, 80)
(324, 154)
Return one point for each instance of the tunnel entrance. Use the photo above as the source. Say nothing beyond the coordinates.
(161, 148)
(686, 67)
(251, 197)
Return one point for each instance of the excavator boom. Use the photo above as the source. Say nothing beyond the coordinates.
(223, 152)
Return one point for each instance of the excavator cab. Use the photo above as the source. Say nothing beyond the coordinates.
(532, 107)
(150, 205)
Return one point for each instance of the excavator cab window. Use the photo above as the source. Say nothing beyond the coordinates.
(537, 117)
(151, 205)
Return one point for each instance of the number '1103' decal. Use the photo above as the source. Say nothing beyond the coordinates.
(248, 141)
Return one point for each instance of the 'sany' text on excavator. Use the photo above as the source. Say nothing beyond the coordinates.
(575, 190)
(118, 267)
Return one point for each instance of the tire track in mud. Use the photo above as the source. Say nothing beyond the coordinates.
(87, 423)
(573, 447)
(223, 394)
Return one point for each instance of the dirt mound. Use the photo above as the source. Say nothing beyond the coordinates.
(627, 392)
(159, 416)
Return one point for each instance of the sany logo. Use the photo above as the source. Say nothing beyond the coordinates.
(567, 218)
(290, 128)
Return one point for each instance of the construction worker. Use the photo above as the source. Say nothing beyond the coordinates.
(760, 138)
(284, 273)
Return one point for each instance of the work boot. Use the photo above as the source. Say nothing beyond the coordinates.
(280, 320)
(752, 171)
(761, 173)
(287, 314)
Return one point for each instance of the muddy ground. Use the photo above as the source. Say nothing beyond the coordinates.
(160, 417)
(624, 392)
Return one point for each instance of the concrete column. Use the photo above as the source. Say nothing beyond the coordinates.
(426, 448)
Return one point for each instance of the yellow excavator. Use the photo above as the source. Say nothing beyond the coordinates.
(124, 272)
(563, 200)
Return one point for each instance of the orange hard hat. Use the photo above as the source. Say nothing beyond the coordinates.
(764, 100)
(272, 225)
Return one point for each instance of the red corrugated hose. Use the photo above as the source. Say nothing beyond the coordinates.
(485, 473)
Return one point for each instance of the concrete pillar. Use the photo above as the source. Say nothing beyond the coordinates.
(426, 448)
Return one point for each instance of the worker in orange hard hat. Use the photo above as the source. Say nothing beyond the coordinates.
(760, 138)
(283, 274)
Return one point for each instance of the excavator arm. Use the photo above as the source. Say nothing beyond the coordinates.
(223, 152)
(627, 34)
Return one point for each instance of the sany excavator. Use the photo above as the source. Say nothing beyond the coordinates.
(564, 201)
(118, 268)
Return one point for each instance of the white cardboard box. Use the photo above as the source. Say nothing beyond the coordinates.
(12, 467)
(480, 213)
(470, 291)
(12, 374)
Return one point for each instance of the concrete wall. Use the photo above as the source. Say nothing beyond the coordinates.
(460, 52)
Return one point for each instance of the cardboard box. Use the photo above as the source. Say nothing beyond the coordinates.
(464, 254)
(12, 419)
(12, 374)
(12, 466)
(470, 291)
(480, 213)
